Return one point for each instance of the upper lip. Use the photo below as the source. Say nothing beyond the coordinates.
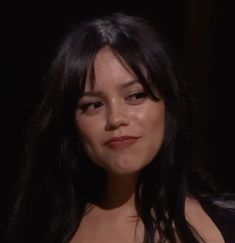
(119, 139)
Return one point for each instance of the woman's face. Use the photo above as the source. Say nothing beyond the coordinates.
(120, 128)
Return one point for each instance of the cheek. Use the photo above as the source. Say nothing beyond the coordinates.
(83, 128)
(152, 117)
(156, 122)
(152, 121)
(88, 129)
(89, 133)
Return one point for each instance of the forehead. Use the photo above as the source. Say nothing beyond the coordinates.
(108, 69)
(106, 54)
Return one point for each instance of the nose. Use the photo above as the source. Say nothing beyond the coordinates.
(117, 115)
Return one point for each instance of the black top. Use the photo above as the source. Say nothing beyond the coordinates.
(224, 219)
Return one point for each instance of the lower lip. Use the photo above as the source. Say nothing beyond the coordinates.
(121, 144)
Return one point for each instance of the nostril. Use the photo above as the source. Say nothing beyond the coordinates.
(115, 120)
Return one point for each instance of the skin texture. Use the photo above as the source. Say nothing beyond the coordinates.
(116, 107)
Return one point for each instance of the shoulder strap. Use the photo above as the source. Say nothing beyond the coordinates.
(223, 218)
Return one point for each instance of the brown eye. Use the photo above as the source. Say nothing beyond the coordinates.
(91, 106)
(136, 98)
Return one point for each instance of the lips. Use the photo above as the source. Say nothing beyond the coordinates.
(121, 142)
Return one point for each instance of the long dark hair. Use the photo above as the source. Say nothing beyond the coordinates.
(58, 180)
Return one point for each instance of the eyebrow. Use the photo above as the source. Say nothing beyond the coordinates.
(96, 93)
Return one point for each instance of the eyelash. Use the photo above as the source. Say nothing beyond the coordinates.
(138, 96)
(88, 106)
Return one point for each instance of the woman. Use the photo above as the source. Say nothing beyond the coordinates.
(109, 159)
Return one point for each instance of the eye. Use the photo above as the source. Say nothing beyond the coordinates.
(137, 97)
(90, 106)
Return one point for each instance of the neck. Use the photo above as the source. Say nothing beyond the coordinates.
(120, 191)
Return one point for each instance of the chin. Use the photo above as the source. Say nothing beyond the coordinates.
(122, 170)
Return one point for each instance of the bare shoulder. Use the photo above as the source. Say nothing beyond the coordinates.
(201, 221)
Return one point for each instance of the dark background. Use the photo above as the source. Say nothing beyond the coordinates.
(200, 30)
